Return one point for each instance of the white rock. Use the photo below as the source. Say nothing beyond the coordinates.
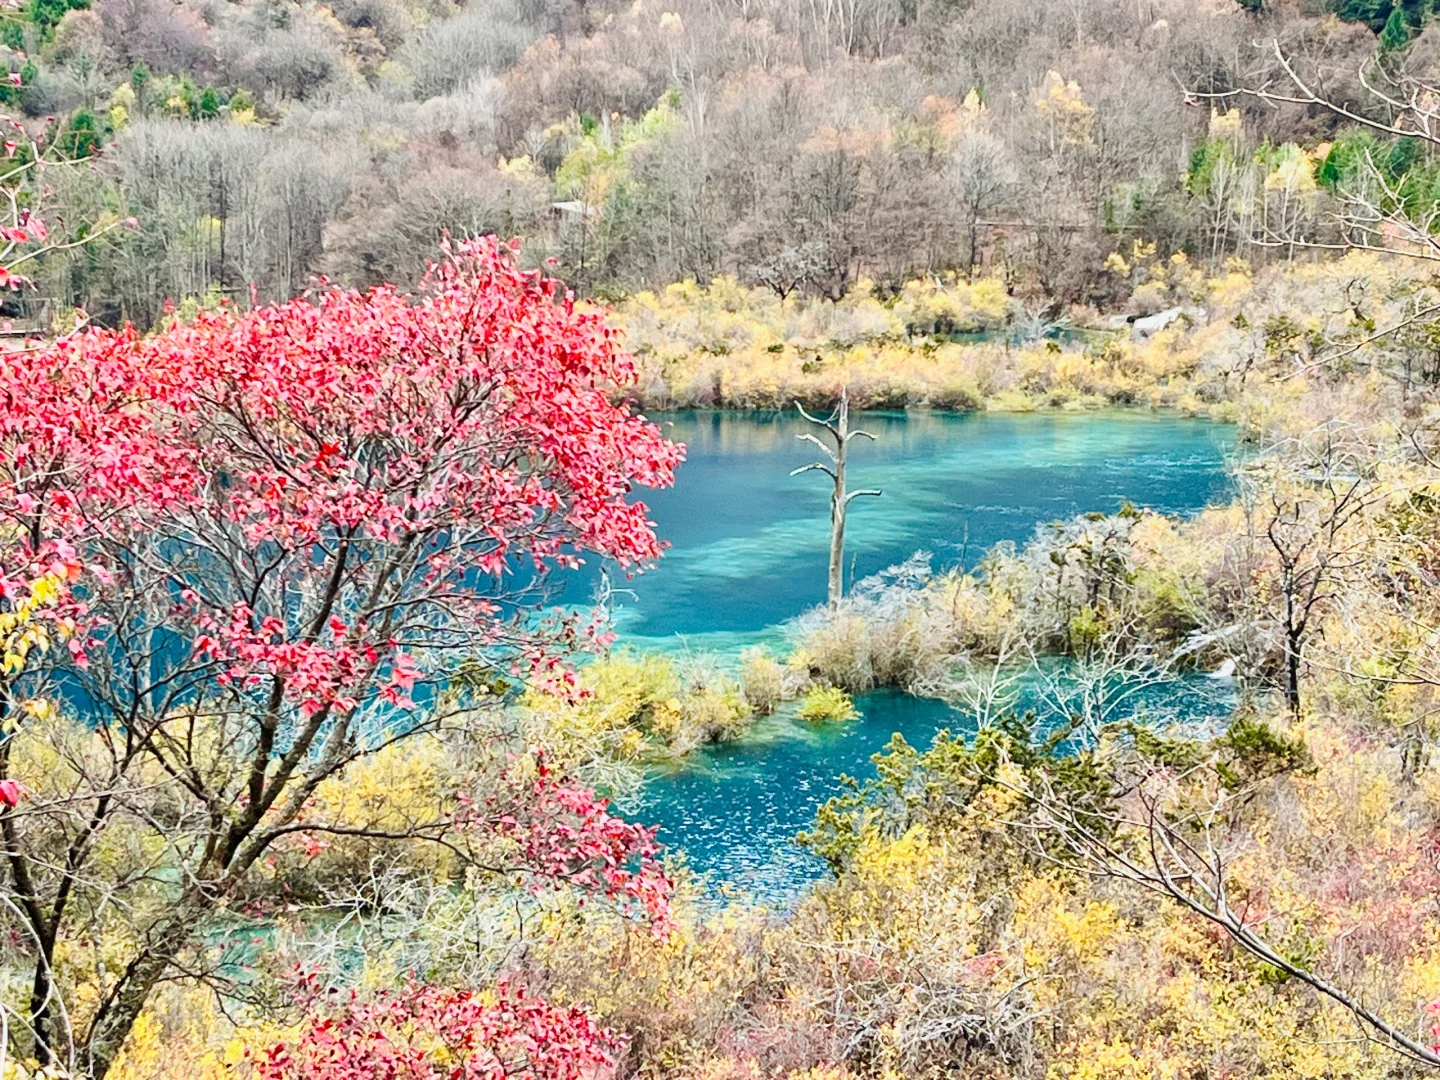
(1153, 324)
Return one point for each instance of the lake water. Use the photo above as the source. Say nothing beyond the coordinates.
(749, 551)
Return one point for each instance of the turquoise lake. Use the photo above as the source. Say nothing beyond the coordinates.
(748, 552)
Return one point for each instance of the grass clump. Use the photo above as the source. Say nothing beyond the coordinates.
(822, 704)
(636, 708)
(763, 680)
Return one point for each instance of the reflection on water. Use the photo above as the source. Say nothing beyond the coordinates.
(749, 542)
(749, 547)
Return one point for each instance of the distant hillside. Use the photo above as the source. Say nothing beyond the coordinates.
(798, 145)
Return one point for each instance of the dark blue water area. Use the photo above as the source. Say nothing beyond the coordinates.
(749, 546)
(735, 809)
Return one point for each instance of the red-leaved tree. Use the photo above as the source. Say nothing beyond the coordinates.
(269, 541)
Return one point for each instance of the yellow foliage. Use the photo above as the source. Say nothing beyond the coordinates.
(826, 703)
(27, 627)
(897, 861)
(728, 345)
(1062, 103)
(1227, 125)
(404, 786)
(637, 707)
(1055, 927)
(183, 1035)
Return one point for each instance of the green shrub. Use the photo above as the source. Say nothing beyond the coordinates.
(1257, 752)
(1086, 628)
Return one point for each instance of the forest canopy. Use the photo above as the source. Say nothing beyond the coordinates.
(798, 146)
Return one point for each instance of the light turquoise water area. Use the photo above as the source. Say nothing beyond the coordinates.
(749, 549)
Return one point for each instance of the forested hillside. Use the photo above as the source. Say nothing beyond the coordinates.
(798, 145)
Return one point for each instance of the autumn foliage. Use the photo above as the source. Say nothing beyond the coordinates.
(268, 542)
(430, 1033)
(465, 429)
(569, 837)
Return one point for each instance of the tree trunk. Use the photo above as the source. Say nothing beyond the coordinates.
(117, 1015)
(838, 428)
(974, 244)
(1292, 674)
(40, 991)
(837, 535)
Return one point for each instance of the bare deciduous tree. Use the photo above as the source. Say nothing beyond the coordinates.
(1314, 489)
(1171, 834)
(983, 171)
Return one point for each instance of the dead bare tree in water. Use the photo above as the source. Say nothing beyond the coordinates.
(837, 427)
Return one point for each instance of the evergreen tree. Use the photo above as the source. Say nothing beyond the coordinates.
(140, 83)
(1374, 13)
(1396, 34)
(82, 135)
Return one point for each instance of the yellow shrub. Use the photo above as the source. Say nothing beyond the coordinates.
(827, 703)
